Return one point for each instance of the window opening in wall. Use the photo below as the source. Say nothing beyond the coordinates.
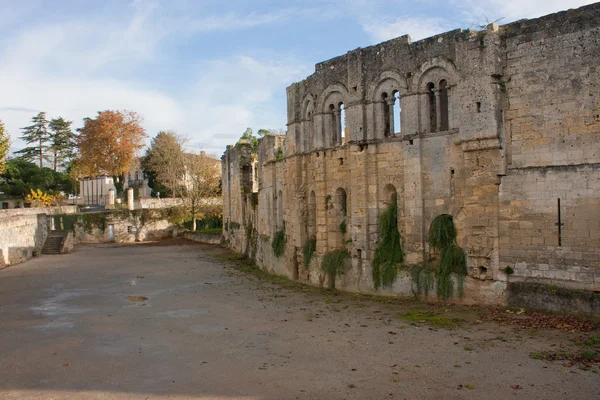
(334, 123)
(478, 104)
(397, 113)
(482, 272)
(386, 115)
(560, 225)
(432, 107)
(343, 132)
(410, 142)
(451, 171)
(444, 123)
(341, 161)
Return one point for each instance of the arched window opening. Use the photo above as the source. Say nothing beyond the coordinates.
(386, 115)
(334, 124)
(390, 194)
(432, 107)
(397, 113)
(444, 123)
(343, 133)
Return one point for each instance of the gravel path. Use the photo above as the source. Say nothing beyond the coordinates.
(178, 321)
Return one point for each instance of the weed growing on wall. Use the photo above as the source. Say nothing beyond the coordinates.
(278, 243)
(343, 227)
(422, 278)
(334, 262)
(309, 250)
(388, 253)
(452, 259)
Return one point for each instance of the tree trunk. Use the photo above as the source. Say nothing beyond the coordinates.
(193, 217)
(55, 160)
(41, 154)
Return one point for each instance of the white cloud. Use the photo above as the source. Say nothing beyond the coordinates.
(510, 10)
(66, 70)
(418, 28)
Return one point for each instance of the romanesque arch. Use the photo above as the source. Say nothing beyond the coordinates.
(307, 123)
(433, 82)
(334, 99)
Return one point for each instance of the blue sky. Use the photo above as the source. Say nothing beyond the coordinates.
(207, 69)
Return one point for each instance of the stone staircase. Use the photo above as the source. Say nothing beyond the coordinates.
(57, 242)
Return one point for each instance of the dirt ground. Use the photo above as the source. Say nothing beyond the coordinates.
(185, 321)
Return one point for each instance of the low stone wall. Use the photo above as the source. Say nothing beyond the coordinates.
(536, 296)
(143, 203)
(37, 210)
(23, 231)
(120, 226)
(209, 238)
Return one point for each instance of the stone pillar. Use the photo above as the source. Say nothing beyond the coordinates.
(338, 127)
(438, 111)
(390, 104)
(130, 199)
(111, 198)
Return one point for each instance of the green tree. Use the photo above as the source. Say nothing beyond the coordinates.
(63, 142)
(4, 146)
(163, 162)
(36, 135)
(194, 178)
(21, 176)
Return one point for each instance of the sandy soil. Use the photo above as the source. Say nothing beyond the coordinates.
(211, 330)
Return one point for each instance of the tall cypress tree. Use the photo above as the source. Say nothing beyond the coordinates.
(62, 142)
(36, 135)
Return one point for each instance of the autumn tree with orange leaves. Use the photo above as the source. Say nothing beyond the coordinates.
(109, 143)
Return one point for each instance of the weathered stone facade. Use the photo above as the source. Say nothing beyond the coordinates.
(499, 128)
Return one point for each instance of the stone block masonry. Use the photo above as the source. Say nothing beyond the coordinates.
(499, 128)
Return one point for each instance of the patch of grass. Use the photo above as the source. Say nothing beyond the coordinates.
(588, 355)
(351, 386)
(470, 387)
(538, 356)
(457, 366)
(593, 340)
(468, 348)
(432, 318)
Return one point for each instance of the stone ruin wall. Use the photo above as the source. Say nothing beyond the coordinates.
(511, 126)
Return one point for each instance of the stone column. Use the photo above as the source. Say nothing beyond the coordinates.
(111, 198)
(438, 111)
(338, 127)
(390, 101)
(130, 199)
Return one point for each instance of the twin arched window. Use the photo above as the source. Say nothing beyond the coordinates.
(437, 103)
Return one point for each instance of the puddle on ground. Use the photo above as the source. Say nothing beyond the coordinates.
(135, 299)
(55, 308)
